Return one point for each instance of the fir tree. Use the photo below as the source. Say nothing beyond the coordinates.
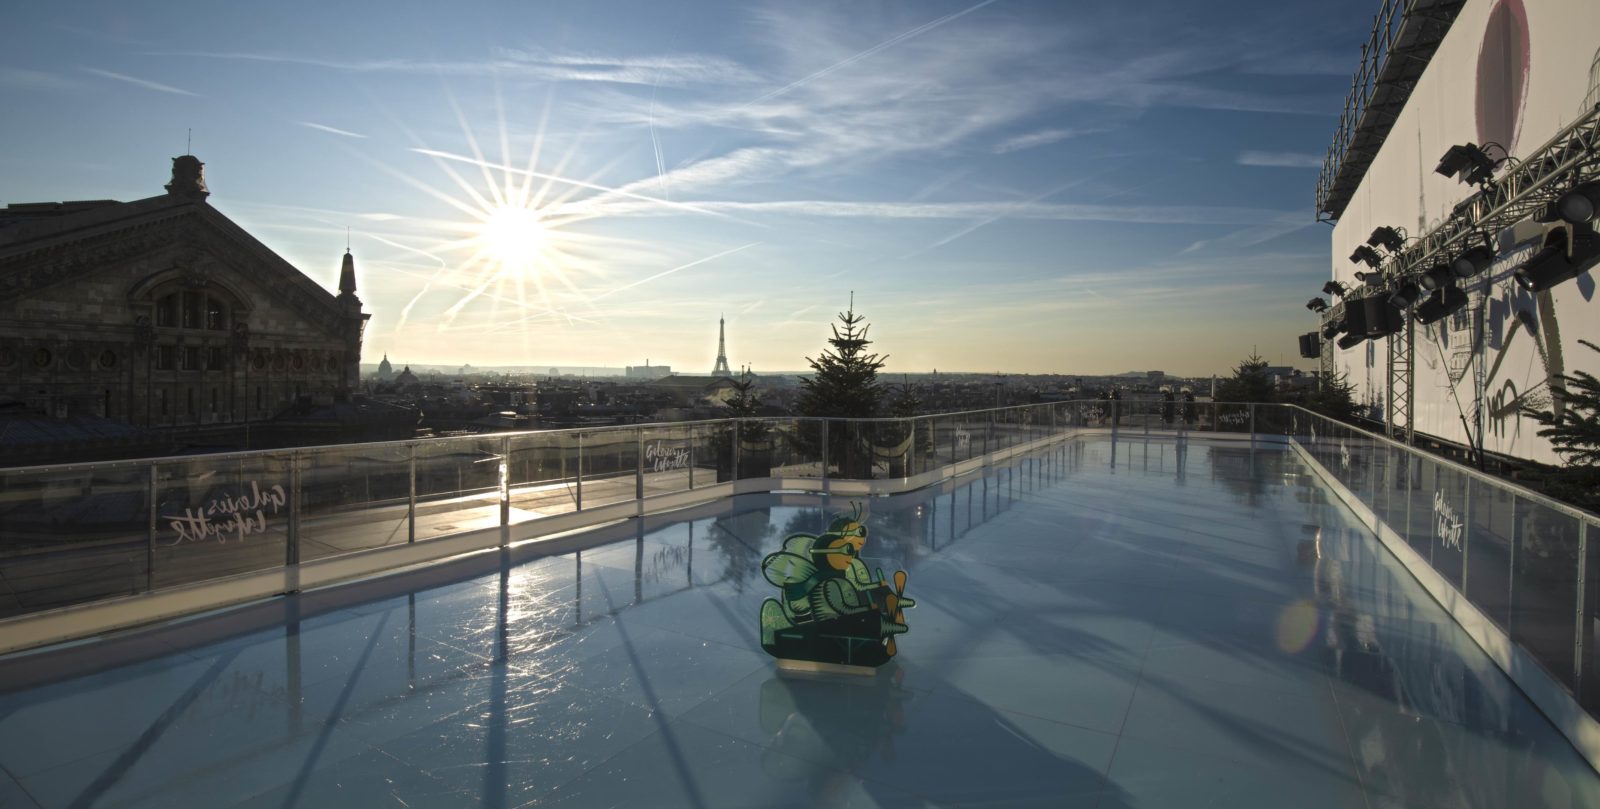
(1335, 398)
(845, 384)
(1573, 426)
(1250, 383)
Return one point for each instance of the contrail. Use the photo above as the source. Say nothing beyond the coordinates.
(567, 180)
(888, 43)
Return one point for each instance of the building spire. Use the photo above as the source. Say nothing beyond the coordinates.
(347, 275)
(722, 368)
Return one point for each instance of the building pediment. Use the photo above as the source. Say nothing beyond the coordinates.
(155, 243)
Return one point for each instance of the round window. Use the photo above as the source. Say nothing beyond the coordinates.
(76, 358)
(41, 358)
(108, 359)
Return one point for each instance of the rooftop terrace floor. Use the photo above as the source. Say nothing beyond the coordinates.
(1143, 623)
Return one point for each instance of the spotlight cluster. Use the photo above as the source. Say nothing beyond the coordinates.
(1395, 283)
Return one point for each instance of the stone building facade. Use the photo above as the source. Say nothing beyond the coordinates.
(164, 313)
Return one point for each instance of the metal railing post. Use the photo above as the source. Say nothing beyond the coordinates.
(736, 432)
(150, 531)
(580, 473)
(411, 495)
(638, 476)
(1252, 424)
(824, 456)
(691, 458)
(291, 554)
(505, 482)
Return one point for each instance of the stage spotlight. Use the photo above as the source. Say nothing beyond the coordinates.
(1333, 288)
(1350, 340)
(1386, 237)
(1441, 304)
(1435, 278)
(1569, 250)
(1406, 296)
(1317, 305)
(1367, 255)
(1472, 262)
(1468, 163)
(1576, 207)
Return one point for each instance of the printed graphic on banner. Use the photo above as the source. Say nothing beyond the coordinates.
(832, 609)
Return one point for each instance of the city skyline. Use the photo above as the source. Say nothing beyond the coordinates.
(1004, 187)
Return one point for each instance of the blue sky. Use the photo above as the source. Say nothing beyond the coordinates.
(1077, 187)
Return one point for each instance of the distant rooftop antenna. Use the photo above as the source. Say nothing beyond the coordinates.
(188, 142)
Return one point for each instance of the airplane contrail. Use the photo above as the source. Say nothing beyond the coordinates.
(888, 43)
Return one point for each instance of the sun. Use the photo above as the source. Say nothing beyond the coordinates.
(515, 236)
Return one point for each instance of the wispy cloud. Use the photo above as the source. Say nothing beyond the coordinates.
(676, 70)
(1032, 139)
(1292, 160)
(145, 83)
(334, 130)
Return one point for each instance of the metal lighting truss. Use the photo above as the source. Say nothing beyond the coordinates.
(1399, 398)
(1530, 184)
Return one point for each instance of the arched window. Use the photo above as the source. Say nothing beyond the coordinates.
(193, 326)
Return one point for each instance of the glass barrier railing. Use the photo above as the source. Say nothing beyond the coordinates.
(1521, 558)
(81, 533)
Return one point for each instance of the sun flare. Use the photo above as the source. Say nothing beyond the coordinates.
(515, 236)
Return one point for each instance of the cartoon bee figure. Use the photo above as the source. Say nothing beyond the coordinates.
(832, 609)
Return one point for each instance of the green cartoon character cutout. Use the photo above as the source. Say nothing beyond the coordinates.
(832, 610)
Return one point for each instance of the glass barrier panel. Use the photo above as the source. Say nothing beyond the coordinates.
(667, 459)
(755, 448)
(1002, 430)
(1450, 514)
(924, 446)
(543, 475)
(1382, 485)
(797, 448)
(353, 497)
(458, 486)
(1272, 419)
(1419, 526)
(892, 447)
(217, 517)
(72, 536)
(714, 452)
(1544, 586)
(1397, 489)
(610, 466)
(1491, 535)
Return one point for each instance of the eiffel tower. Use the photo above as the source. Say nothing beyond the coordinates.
(722, 368)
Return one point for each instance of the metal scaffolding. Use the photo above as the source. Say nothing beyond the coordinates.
(1405, 34)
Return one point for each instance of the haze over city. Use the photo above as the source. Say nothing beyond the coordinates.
(1025, 188)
